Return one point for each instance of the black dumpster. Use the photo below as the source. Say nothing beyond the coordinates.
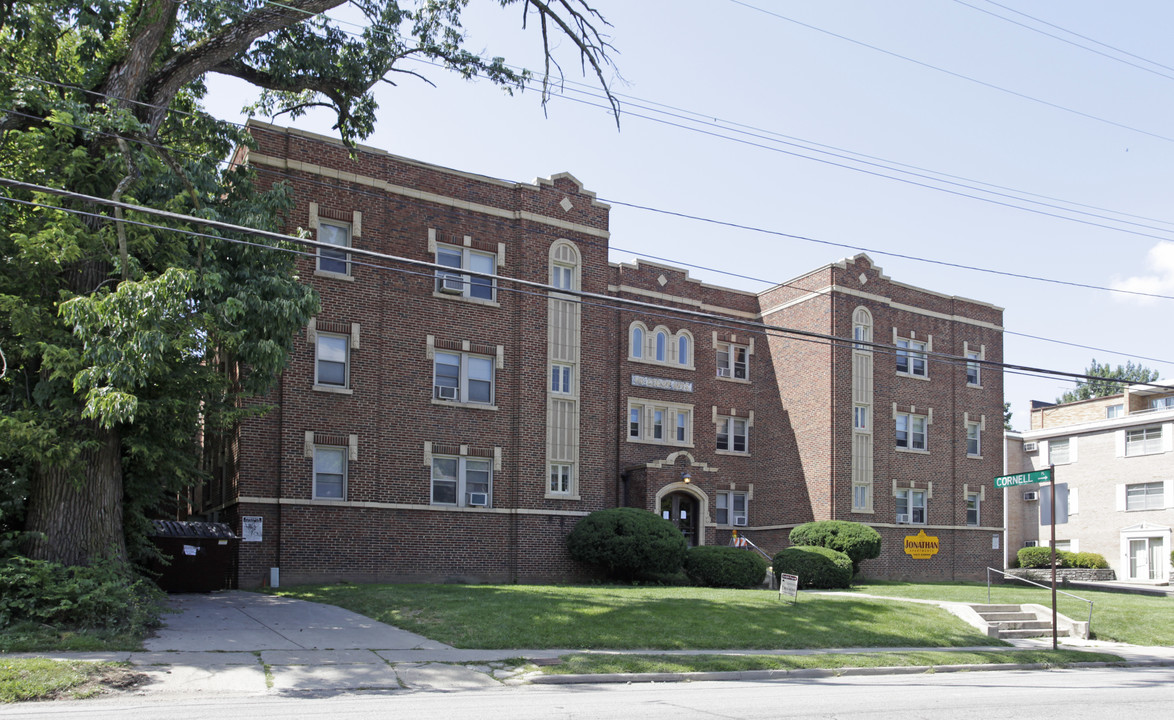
(201, 556)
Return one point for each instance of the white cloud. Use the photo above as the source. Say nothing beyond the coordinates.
(1159, 279)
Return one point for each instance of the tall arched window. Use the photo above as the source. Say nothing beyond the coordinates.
(862, 328)
(637, 342)
(661, 346)
(683, 350)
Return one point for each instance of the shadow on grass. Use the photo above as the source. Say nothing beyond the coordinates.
(522, 616)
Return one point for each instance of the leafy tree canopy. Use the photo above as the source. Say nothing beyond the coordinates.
(133, 349)
(1108, 380)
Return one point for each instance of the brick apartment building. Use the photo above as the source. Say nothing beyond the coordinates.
(437, 425)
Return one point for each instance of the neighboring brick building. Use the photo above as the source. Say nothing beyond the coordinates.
(435, 425)
(1114, 454)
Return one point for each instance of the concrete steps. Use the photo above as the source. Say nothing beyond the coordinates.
(1013, 621)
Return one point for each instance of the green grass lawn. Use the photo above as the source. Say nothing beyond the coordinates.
(39, 679)
(35, 637)
(668, 618)
(1117, 617)
(595, 663)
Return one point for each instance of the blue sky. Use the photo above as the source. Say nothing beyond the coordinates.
(1090, 133)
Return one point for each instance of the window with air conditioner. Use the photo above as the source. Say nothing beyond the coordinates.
(911, 506)
(455, 282)
(730, 508)
(1031, 495)
(463, 377)
(462, 481)
(733, 361)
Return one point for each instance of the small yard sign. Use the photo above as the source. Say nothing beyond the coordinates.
(921, 546)
(789, 585)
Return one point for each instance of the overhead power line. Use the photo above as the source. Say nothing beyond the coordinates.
(431, 267)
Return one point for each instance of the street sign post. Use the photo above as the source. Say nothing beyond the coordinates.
(1027, 478)
(1031, 478)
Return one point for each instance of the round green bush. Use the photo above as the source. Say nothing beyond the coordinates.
(721, 566)
(817, 567)
(858, 542)
(1040, 556)
(70, 597)
(628, 543)
(1096, 561)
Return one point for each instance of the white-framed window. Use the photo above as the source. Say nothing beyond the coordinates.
(331, 260)
(1143, 441)
(733, 434)
(562, 277)
(1162, 403)
(861, 497)
(1115, 411)
(462, 481)
(1060, 451)
(636, 342)
(1145, 496)
(683, 350)
(911, 506)
(660, 423)
(733, 361)
(911, 431)
(463, 377)
(973, 504)
(730, 508)
(911, 357)
(454, 282)
(973, 439)
(661, 346)
(562, 378)
(332, 360)
(330, 470)
(862, 329)
(561, 476)
(973, 369)
(860, 420)
(1030, 543)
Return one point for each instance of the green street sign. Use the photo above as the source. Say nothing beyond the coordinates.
(1027, 478)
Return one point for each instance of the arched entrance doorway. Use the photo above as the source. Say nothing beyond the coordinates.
(682, 509)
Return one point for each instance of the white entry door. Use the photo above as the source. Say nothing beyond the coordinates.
(1145, 558)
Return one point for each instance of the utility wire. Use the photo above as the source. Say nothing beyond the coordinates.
(960, 76)
(543, 288)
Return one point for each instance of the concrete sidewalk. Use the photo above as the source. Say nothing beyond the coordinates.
(242, 643)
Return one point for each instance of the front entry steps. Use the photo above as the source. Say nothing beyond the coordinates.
(1022, 621)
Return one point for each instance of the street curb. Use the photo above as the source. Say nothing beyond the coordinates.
(754, 675)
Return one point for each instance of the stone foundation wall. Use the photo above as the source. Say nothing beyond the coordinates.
(1044, 575)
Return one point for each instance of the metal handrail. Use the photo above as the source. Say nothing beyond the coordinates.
(1032, 582)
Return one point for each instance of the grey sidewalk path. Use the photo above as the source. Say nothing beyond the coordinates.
(243, 643)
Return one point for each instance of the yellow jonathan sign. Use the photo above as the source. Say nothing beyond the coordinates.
(921, 546)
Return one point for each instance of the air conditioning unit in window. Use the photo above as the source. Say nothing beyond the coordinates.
(480, 499)
(903, 519)
(723, 372)
(446, 392)
(1031, 495)
(740, 521)
(1030, 543)
(1030, 447)
(452, 284)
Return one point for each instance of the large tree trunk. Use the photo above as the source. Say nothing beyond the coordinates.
(76, 521)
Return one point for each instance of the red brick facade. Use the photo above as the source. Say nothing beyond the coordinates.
(746, 426)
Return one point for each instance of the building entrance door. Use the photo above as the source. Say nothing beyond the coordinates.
(1145, 559)
(681, 509)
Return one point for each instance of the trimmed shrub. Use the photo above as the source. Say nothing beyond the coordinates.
(859, 542)
(817, 567)
(721, 566)
(1096, 561)
(1040, 556)
(69, 597)
(628, 543)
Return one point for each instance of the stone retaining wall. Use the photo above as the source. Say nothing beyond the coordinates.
(1044, 575)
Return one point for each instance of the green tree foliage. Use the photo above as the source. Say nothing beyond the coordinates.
(131, 350)
(858, 542)
(816, 567)
(628, 543)
(723, 566)
(1007, 415)
(1108, 380)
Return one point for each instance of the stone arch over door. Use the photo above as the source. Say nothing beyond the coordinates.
(701, 510)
